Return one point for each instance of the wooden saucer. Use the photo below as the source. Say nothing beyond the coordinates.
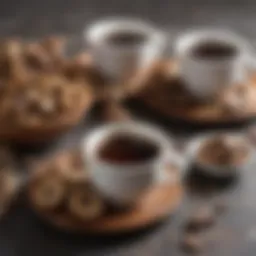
(164, 94)
(152, 206)
(158, 203)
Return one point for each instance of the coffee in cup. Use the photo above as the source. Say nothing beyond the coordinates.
(126, 159)
(212, 60)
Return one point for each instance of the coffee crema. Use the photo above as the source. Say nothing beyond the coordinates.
(127, 149)
(214, 50)
(126, 38)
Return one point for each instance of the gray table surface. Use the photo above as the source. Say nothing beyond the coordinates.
(23, 234)
(36, 18)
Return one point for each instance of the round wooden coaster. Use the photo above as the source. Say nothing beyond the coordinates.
(152, 206)
(165, 95)
(158, 203)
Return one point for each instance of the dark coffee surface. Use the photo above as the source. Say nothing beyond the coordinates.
(23, 234)
(213, 50)
(127, 149)
(126, 38)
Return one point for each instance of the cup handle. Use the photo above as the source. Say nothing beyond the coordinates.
(172, 159)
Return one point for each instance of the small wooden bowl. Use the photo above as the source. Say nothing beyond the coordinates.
(218, 170)
(31, 134)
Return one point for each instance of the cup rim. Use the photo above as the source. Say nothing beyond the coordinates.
(187, 40)
(97, 31)
(92, 141)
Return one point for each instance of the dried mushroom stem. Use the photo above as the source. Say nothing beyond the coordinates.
(84, 203)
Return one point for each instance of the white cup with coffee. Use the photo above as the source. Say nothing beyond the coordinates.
(120, 46)
(125, 160)
(210, 60)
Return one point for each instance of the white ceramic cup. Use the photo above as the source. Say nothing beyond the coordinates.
(204, 77)
(115, 60)
(122, 183)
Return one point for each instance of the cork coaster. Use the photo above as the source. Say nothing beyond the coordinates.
(164, 92)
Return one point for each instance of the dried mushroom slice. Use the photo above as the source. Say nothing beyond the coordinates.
(34, 92)
(20, 60)
(55, 46)
(42, 98)
(48, 191)
(37, 58)
(84, 203)
(79, 68)
(71, 167)
(44, 56)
